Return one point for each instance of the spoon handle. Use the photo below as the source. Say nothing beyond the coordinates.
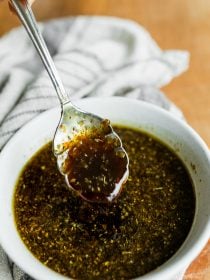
(28, 20)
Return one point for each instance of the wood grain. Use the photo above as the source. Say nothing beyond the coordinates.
(179, 24)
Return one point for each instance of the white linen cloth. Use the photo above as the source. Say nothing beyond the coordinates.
(95, 56)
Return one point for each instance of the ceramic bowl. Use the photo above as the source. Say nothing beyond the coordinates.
(150, 118)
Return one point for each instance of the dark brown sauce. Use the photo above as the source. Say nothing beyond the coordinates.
(135, 234)
(96, 165)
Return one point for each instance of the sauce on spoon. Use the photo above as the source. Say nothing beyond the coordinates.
(96, 165)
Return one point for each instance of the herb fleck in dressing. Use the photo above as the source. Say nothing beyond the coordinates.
(135, 234)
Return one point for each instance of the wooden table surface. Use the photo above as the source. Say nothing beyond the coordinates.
(178, 24)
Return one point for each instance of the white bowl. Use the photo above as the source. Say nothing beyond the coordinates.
(174, 132)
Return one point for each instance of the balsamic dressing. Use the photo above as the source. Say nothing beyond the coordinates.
(96, 165)
(127, 238)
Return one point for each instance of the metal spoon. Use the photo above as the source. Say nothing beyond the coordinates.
(74, 122)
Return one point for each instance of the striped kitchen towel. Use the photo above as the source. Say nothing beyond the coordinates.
(95, 56)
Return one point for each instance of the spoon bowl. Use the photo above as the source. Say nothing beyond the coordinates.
(74, 129)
